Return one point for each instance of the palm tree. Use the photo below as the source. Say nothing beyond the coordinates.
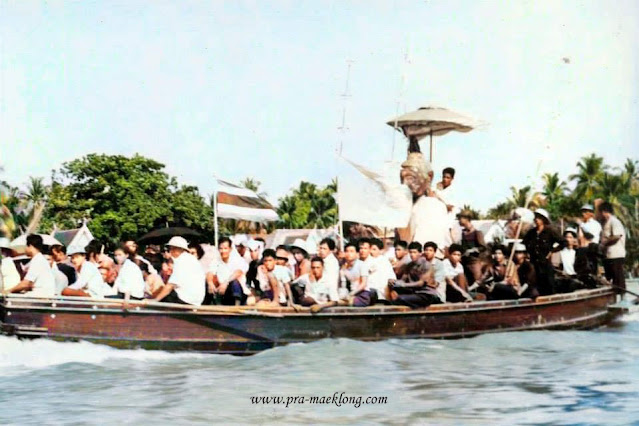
(591, 169)
(323, 210)
(500, 211)
(37, 191)
(287, 211)
(519, 196)
(554, 188)
(306, 190)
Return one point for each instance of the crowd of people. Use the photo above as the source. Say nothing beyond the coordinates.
(363, 273)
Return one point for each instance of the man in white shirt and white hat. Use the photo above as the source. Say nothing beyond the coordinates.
(590, 224)
(89, 282)
(9, 275)
(186, 285)
(40, 280)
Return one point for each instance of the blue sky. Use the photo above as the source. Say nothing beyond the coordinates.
(253, 88)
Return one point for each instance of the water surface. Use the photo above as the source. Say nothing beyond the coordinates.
(558, 377)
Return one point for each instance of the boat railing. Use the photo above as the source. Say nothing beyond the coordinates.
(86, 303)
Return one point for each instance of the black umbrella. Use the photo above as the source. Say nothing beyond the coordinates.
(159, 236)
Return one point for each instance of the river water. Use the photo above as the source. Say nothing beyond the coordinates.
(558, 377)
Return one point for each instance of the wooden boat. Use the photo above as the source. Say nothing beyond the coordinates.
(247, 330)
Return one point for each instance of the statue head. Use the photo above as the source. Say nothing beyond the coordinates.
(416, 173)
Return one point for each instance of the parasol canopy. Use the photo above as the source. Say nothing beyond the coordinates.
(432, 121)
(20, 244)
(162, 235)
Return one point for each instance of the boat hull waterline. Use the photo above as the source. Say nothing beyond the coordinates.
(247, 330)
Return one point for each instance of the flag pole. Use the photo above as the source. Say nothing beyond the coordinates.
(215, 224)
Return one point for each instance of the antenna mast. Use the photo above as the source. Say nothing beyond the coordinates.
(344, 96)
(342, 129)
(400, 96)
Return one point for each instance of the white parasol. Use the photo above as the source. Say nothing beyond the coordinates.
(432, 121)
(20, 244)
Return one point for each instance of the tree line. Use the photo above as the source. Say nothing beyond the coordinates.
(126, 197)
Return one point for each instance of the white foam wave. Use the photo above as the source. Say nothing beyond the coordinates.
(632, 317)
(41, 353)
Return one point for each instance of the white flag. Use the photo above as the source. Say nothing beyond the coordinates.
(372, 198)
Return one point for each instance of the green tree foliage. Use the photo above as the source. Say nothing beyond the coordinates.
(22, 210)
(590, 170)
(308, 206)
(123, 198)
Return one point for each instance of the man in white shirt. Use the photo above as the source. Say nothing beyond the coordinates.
(430, 250)
(445, 193)
(331, 264)
(40, 280)
(9, 273)
(354, 275)
(186, 285)
(89, 281)
(130, 281)
(227, 278)
(275, 280)
(61, 280)
(590, 224)
(613, 238)
(316, 289)
(456, 284)
(380, 269)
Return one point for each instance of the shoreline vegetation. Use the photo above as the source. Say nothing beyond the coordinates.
(125, 197)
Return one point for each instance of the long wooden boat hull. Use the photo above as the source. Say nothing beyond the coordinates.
(247, 330)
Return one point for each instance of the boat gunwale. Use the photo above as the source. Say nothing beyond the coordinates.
(136, 308)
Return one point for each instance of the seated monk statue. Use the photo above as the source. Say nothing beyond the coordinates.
(429, 216)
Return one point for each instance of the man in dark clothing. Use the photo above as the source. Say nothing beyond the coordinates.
(540, 241)
(417, 288)
(523, 284)
(471, 238)
(587, 260)
(59, 254)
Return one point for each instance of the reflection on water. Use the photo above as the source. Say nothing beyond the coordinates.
(530, 377)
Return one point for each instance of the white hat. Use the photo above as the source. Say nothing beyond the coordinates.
(4, 242)
(588, 207)
(543, 213)
(572, 230)
(76, 250)
(519, 247)
(300, 244)
(240, 240)
(178, 242)
(253, 245)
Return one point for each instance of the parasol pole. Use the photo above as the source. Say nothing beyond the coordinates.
(215, 224)
(510, 266)
(431, 147)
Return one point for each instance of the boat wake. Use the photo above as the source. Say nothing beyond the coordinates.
(632, 317)
(17, 355)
